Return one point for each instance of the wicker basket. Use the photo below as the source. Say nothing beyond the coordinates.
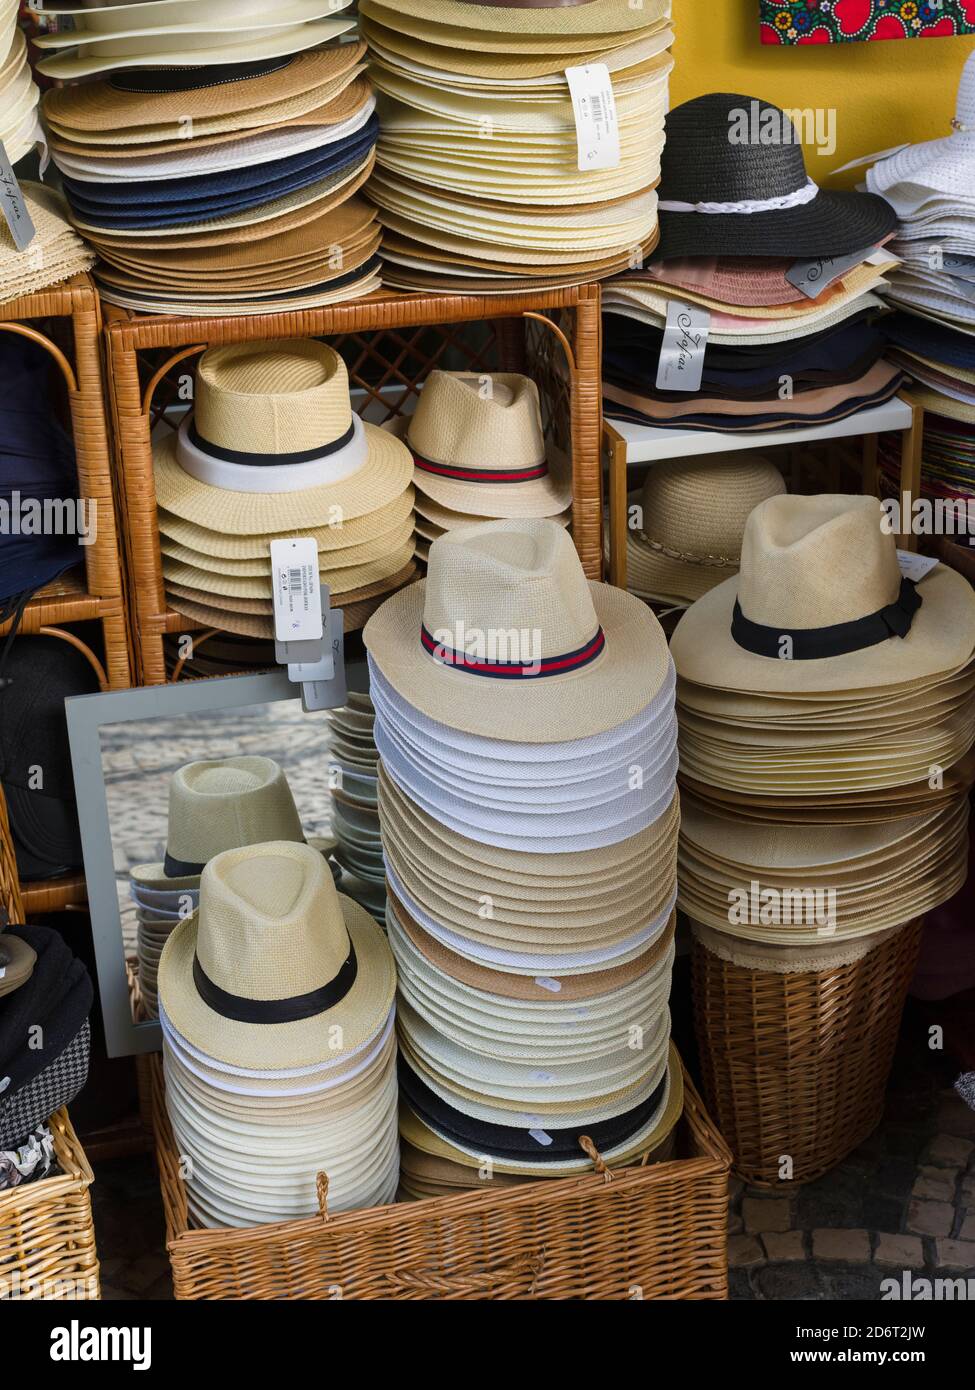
(796, 1065)
(656, 1233)
(72, 313)
(390, 343)
(47, 1237)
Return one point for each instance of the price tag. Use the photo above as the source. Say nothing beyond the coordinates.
(546, 982)
(915, 566)
(322, 666)
(812, 277)
(13, 206)
(681, 363)
(597, 124)
(3, 971)
(331, 693)
(296, 591)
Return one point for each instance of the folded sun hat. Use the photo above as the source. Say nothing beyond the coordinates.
(722, 194)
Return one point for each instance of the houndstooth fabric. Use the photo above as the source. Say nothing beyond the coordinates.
(57, 1085)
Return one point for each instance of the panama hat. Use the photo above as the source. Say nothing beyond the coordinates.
(602, 655)
(479, 447)
(17, 958)
(153, 18)
(275, 967)
(725, 197)
(273, 443)
(821, 573)
(564, 17)
(692, 515)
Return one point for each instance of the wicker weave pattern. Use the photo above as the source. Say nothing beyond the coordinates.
(11, 902)
(47, 1237)
(655, 1233)
(391, 343)
(797, 1064)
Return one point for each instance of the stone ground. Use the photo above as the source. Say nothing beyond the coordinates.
(904, 1200)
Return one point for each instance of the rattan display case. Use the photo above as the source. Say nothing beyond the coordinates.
(47, 1236)
(66, 321)
(795, 1066)
(390, 343)
(657, 1232)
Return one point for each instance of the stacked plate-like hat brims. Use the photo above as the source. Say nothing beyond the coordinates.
(355, 813)
(20, 129)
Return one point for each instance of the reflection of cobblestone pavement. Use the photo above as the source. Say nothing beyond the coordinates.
(139, 759)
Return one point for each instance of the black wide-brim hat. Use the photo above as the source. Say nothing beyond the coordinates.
(714, 156)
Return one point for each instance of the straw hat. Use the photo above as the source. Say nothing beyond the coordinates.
(820, 583)
(540, 17)
(690, 519)
(275, 969)
(96, 23)
(943, 166)
(601, 656)
(272, 444)
(479, 447)
(17, 959)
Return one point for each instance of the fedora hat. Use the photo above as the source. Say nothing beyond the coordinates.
(690, 517)
(820, 584)
(599, 657)
(273, 443)
(478, 446)
(17, 958)
(725, 192)
(275, 969)
(530, 17)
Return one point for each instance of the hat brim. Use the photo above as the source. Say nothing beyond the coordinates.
(616, 686)
(833, 224)
(592, 17)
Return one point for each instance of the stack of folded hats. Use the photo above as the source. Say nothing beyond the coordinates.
(525, 724)
(479, 452)
(684, 528)
(38, 479)
(276, 1001)
(54, 253)
(213, 163)
(272, 450)
(20, 128)
(214, 805)
(478, 176)
(739, 224)
(37, 675)
(820, 693)
(219, 654)
(45, 999)
(354, 762)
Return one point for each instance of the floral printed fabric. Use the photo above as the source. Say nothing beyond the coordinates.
(853, 21)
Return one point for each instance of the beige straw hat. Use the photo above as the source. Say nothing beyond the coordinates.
(275, 969)
(97, 23)
(528, 18)
(819, 605)
(686, 526)
(479, 447)
(276, 416)
(506, 638)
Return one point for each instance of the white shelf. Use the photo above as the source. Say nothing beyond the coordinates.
(650, 444)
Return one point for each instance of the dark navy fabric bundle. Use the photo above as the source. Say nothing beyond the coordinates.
(936, 341)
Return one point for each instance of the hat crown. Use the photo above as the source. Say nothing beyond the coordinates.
(228, 803)
(488, 582)
(288, 396)
(270, 922)
(965, 105)
(483, 422)
(812, 562)
(700, 506)
(729, 148)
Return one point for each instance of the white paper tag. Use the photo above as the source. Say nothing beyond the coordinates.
(597, 124)
(681, 363)
(812, 277)
(915, 566)
(13, 206)
(546, 982)
(322, 666)
(297, 600)
(540, 1137)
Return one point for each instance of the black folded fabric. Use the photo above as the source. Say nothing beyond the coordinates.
(39, 1020)
(517, 1145)
(936, 341)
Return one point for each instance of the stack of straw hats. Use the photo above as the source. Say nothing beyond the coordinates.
(478, 175)
(54, 253)
(20, 127)
(479, 452)
(525, 723)
(736, 216)
(355, 811)
(276, 1001)
(213, 161)
(272, 449)
(684, 527)
(214, 805)
(826, 705)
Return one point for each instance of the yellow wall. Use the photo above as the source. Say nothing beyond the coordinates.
(884, 93)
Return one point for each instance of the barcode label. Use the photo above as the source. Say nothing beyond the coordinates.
(294, 581)
(597, 124)
(295, 589)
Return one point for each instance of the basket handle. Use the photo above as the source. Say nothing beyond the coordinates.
(321, 1188)
(590, 1150)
